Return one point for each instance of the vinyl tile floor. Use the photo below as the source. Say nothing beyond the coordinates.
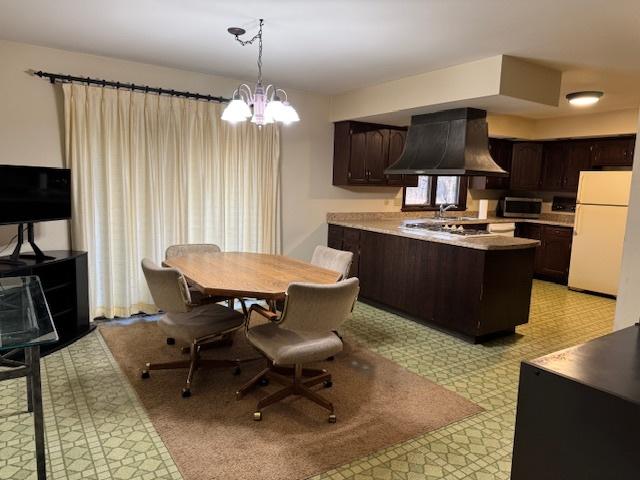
(96, 427)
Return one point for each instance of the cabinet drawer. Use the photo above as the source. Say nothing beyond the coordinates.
(564, 232)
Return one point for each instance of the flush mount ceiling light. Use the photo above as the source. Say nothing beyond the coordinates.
(263, 105)
(584, 99)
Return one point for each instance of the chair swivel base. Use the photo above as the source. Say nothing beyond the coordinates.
(303, 379)
(194, 363)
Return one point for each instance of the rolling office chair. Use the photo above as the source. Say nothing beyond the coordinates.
(197, 297)
(304, 333)
(332, 259)
(194, 324)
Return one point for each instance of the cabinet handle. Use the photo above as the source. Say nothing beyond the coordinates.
(349, 175)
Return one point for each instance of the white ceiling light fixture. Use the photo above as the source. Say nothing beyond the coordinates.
(584, 99)
(263, 105)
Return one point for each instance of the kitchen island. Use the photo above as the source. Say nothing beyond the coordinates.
(477, 286)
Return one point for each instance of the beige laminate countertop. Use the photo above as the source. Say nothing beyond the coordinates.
(481, 242)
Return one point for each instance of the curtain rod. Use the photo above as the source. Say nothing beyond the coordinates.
(56, 77)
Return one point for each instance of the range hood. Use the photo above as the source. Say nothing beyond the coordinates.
(451, 142)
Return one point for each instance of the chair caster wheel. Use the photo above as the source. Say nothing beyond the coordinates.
(332, 418)
(257, 416)
(171, 341)
(264, 382)
(144, 374)
(237, 371)
(186, 392)
(327, 384)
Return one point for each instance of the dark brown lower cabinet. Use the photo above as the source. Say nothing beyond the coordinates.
(553, 256)
(476, 293)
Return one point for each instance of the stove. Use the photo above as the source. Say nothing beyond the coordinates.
(451, 229)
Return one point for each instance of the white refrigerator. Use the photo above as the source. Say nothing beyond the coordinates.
(598, 233)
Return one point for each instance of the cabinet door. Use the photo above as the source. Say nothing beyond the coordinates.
(526, 166)
(613, 152)
(351, 243)
(371, 268)
(334, 237)
(376, 153)
(556, 243)
(396, 145)
(357, 158)
(534, 232)
(578, 160)
(554, 162)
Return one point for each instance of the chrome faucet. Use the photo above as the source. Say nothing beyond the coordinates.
(444, 208)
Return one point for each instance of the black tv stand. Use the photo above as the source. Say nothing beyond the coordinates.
(14, 258)
(65, 284)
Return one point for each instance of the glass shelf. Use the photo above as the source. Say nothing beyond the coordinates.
(25, 319)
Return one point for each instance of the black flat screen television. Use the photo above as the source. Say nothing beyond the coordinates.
(34, 194)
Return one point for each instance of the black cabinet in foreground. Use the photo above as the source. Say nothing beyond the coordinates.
(579, 412)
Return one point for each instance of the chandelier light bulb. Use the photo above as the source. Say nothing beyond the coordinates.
(288, 114)
(236, 111)
(274, 110)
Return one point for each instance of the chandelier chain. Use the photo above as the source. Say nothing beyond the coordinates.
(257, 36)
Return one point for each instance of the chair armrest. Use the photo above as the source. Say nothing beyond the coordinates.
(268, 314)
(272, 316)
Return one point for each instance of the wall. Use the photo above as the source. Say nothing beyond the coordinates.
(628, 305)
(616, 122)
(31, 133)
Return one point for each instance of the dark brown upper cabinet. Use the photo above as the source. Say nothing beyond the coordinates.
(613, 152)
(526, 166)
(501, 151)
(362, 151)
(578, 160)
(554, 165)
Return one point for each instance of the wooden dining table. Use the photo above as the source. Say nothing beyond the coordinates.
(253, 275)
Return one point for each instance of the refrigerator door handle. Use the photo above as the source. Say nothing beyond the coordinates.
(577, 222)
(578, 195)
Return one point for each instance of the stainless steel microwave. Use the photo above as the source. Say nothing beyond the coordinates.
(521, 207)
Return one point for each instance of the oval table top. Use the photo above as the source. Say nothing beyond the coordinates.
(255, 275)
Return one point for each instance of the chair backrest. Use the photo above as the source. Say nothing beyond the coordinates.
(167, 286)
(332, 259)
(311, 307)
(187, 248)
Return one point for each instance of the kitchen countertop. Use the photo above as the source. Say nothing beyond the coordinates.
(481, 242)
(470, 217)
(391, 224)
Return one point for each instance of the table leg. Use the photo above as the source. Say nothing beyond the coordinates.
(29, 379)
(272, 305)
(33, 381)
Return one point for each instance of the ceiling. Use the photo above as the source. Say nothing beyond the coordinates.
(332, 46)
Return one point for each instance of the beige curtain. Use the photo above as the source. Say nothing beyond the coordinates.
(150, 171)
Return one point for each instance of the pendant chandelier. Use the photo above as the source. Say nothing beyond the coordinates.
(262, 105)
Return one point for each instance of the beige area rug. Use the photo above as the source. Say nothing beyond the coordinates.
(213, 436)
